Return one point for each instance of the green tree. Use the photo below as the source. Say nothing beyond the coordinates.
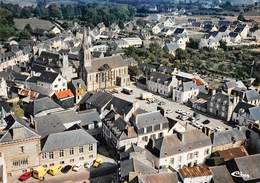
(194, 44)
(181, 54)
(133, 70)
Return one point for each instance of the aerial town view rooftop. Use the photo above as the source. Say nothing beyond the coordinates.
(130, 91)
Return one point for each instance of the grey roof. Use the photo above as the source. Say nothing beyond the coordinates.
(242, 106)
(221, 174)
(171, 47)
(134, 165)
(233, 34)
(178, 143)
(16, 129)
(161, 78)
(40, 105)
(255, 113)
(149, 119)
(111, 61)
(120, 106)
(249, 165)
(188, 86)
(66, 139)
(251, 95)
(179, 31)
(230, 84)
(99, 99)
(60, 121)
(48, 77)
(76, 82)
(227, 137)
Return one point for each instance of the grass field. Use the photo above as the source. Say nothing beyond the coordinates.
(34, 23)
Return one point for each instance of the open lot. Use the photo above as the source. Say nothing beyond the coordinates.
(171, 107)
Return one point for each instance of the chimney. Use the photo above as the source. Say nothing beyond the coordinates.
(130, 131)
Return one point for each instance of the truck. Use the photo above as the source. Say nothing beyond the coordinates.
(146, 95)
(39, 173)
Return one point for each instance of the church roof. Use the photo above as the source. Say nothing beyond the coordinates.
(106, 62)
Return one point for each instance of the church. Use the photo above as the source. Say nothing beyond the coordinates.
(101, 73)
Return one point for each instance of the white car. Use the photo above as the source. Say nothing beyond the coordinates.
(77, 167)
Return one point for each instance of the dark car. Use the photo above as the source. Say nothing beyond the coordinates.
(25, 176)
(206, 122)
(66, 169)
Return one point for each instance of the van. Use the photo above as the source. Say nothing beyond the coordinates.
(97, 162)
(55, 170)
(39, 173)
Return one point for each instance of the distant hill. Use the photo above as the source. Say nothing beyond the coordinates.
(22, 3)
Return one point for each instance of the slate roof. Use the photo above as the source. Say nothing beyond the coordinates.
(249, 165)
(221, 174)
(188, 86)
(251, 95)
(16, 129)
(76, 82)
(233, 34)
(66, 139)
(227, 137)
(242, 105)
(134, 165)
(48, 77)
(99, 99)
(255, 113)
(161, 78)
(178, 31)
(148, 119)
(111, 61)
(223, 28)
(176, 144)
(60, 121)
(5, 106)
(40, 105)
(171, 46)
(120, 106)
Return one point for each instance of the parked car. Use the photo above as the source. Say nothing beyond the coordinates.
(25, 176)
(77, 167)
(161, 103)
(97, 162)
(88, 165)
(39, 173)
(66, 169)
(127, 91)
(179, 111)
(55, 170)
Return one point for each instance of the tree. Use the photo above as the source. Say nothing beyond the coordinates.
(133, 70)
(28, 28)
(223, 45)
(55, 11)
(181, 54)
(241, 17)
(194, 44)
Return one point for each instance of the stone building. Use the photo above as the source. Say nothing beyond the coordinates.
(19, 145)
(68, 147)
(101, 73)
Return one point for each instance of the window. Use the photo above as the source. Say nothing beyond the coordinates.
(62, 162)
(149, 129)
(61, 153)
(172, 160)
(81, 149)
(207, 151)
(22, 149)
(196, 154)
(20, 162)
(71, 160)
(90, 147)
(55, 86)
(81, 158)
(52, 164)
(51, 155)
(71, 151)
(44, 155)
(91, 156)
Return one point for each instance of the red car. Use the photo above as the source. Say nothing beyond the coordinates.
(25, 176)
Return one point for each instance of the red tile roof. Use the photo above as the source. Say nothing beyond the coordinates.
(195, 171)
(64, 94)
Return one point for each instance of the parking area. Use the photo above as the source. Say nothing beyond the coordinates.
(171, 109)
(82, 176)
